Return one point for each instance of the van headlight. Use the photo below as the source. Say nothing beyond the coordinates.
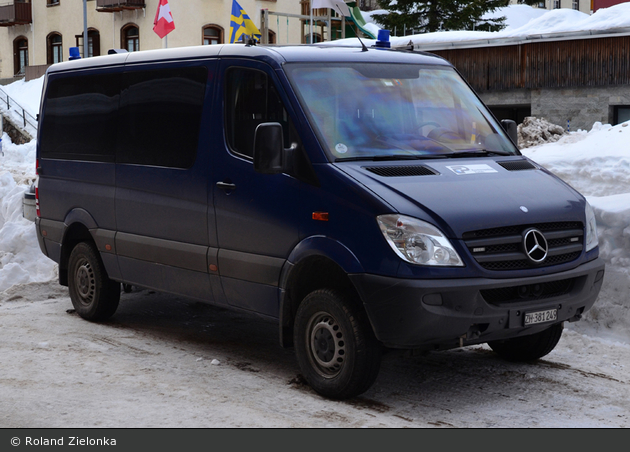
(418, 242)
(591, 228)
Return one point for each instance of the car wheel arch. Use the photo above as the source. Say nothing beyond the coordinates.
(78, 224)
(316, 263)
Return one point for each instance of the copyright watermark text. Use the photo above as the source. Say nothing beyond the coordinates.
(63, 441)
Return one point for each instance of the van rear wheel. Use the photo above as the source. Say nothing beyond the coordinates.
(335, 346)
(529, 348)
(94, 296)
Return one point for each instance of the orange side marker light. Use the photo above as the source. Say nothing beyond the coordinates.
(320, 216)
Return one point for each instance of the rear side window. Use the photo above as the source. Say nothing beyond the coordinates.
(143, 117)
(81, 118)
(160, 114)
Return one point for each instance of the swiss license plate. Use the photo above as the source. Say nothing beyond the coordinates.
(531, 318)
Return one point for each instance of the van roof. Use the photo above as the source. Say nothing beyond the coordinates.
(270, 53)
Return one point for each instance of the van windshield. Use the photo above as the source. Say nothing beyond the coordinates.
(375, 111)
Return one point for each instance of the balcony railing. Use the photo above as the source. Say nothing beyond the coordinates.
(15, 13)
(108, 6)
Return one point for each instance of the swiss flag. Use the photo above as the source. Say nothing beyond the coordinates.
(163, 23)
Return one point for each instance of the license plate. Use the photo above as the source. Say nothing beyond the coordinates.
(531, 318)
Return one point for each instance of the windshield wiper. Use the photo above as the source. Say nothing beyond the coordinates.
(381, 158)
(477, 152)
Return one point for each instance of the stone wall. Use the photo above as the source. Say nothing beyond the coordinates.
(576, 108)
(17, 136)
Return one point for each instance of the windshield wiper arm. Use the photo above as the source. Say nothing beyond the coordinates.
(476, 152)
(381, 158)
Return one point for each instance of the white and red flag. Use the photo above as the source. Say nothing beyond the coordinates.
(163, 23)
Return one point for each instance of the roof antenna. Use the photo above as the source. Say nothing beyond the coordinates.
(363, 48)
(356, 32)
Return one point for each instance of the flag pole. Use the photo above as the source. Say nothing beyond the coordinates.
(86, 46)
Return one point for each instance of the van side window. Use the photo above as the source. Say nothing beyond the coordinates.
(81, 118)
(160, 113)
(250, 100)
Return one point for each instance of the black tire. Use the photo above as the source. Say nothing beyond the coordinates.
(336, 349)
(529, 348)
(94, 296)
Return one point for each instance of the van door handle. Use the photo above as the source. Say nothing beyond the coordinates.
(226, 186)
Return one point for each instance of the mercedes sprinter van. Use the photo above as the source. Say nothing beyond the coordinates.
(361, 197)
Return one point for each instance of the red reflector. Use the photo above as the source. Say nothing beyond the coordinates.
(320, 216)
(37, 201)
(37, 166)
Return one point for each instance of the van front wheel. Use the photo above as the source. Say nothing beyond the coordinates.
(335, 346)
(94, 296)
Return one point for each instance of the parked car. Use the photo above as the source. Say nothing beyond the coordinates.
(362, 198)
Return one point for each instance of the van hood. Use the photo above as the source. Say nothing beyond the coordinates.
(461, 195)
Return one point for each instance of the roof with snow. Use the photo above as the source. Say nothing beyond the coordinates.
(524, 24)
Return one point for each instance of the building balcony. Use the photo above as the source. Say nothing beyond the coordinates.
(108, 6)
(15, 13)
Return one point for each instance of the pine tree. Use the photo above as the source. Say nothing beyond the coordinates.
(425, 16)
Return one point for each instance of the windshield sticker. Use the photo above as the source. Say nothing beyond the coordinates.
(392, 82)
(471, 169)
(341, 148)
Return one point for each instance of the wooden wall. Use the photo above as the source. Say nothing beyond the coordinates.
(550, 64)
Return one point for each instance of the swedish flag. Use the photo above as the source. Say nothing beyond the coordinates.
(241, 24)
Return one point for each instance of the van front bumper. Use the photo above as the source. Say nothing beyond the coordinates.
(442, 314)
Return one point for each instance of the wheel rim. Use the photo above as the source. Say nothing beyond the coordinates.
(326, 343)
(85, 282)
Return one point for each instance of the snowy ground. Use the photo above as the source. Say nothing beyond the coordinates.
(162, 361)
(166, 362)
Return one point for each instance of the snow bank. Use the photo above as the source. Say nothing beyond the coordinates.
(27, 94)
(21, 260)
(20, 103)
(20, 257)
(597, 163)
(516, 16)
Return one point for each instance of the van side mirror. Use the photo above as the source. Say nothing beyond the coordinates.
(510, 128)
(270, 156)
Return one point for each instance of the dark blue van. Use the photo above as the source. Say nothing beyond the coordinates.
(363, 198)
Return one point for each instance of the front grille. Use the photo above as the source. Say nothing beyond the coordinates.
(526, 263)
(531, 292)
(401, 171)
(502, 249)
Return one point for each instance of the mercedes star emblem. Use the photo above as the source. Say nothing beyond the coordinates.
(535, 245)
